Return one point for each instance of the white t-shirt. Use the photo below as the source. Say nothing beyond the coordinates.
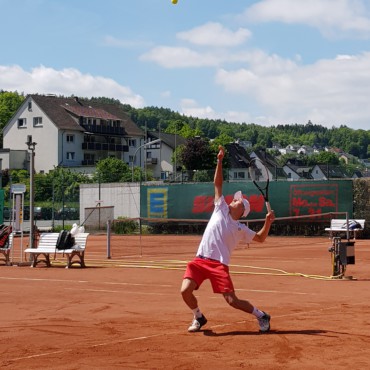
(222, 234)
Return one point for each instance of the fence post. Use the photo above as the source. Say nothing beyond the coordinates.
(108, 238)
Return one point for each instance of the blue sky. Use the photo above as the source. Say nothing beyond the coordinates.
(269, 61)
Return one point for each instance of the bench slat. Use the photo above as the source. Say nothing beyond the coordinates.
(340, 225)
(47, 246)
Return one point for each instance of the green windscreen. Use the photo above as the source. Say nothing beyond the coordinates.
(288, 199)
(1, 206)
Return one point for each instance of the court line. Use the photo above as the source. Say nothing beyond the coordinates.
(83, 281)
(115, 342)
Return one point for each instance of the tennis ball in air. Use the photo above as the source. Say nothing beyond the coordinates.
(174, 1)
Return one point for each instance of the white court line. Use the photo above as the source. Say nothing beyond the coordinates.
(274, 291)
(119, 291)
(83, 281)
(102, 344)
(39, 279)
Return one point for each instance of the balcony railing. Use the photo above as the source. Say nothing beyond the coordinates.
(151, 161)
(105, 146)
(88, 162)
(97, 129)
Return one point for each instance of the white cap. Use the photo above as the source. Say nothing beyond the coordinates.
(247, 207)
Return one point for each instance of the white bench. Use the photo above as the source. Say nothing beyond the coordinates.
(6, 250)
(47, 246)
(340, 226)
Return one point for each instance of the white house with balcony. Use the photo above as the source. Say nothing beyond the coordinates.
(70, 132)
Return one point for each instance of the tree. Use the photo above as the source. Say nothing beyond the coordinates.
(110, 170)
(9, 103)
(183, 129)
(197, 154)
(323, 158)
(66, 183)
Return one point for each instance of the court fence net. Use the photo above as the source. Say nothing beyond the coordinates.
(133, 236)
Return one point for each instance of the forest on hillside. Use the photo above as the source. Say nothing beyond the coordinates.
(351, 141)
(354, 142)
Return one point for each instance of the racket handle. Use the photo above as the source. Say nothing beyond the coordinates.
(268, 206)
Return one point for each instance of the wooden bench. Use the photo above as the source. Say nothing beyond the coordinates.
(340, 226)
(6, 250)
(47, 246)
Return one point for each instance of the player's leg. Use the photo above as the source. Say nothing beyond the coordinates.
(187, 291)
(244, 305)
(187, 288)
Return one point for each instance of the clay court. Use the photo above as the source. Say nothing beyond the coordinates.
(126, 312)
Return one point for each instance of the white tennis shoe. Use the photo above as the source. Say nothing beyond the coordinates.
(264, 322)
(197, 324)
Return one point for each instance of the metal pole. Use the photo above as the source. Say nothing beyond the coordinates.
(99, 198)
(108, 239)
(31, 146)
(141, 146)
(32, 195)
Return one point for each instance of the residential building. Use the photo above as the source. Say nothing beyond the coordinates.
(305, 150)
(295, 173)
(276, 172)
(329, 172)
(71, 132)
(14, 159)
(238, 162)
(160, 158)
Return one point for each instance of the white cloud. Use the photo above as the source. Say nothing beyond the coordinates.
(215, 34)
(190, 107)
(332, 17)
(215, 40)
(68, 81)
(180, 57)
(328, 92)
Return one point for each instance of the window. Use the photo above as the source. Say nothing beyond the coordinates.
(22, 122)
(89, 157)
(131, 158)
(70, 156)
(30, 106)
(132, 142)
(89, 139)
(37, 121)
(239, 175)
(70, 138)
(148, 155)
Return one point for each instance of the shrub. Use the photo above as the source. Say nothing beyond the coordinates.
(125, 225)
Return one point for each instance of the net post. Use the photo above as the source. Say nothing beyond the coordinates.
(108, 238)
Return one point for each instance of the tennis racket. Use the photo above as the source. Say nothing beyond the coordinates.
(261, 179)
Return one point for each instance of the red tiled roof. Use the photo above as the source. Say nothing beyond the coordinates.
(90, 112)
(61, 110)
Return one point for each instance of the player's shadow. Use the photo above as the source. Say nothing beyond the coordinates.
(211, 333)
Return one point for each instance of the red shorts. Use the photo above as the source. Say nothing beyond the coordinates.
(201, 269)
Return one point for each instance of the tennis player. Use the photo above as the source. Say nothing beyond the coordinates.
(221, 236)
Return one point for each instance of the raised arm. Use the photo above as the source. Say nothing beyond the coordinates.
(263, 233)
(218, 179)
